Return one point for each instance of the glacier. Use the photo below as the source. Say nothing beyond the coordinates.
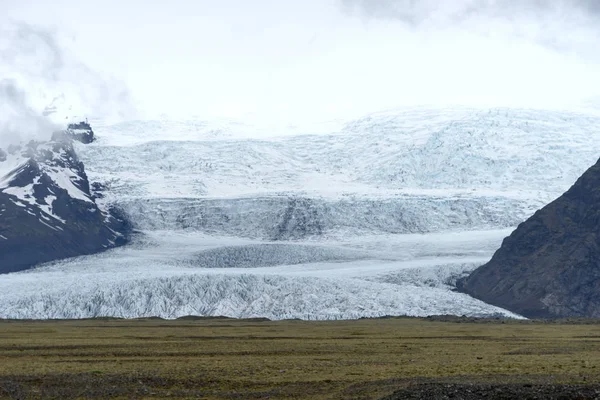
(347, 219)
(174, 274)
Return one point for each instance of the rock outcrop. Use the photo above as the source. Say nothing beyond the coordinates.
(82, 132)
(550, 265)
(46, 209)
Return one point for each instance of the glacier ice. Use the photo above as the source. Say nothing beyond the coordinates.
(160, 274)
(243, 296)
(371, 217)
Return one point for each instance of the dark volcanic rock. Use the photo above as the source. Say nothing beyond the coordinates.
(550, 265)
(47, 211)
(98, 189)
(82, 132)
(466, 391)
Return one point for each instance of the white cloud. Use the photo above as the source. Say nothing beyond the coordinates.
(322, 59)
(18, 120)
(36, 70)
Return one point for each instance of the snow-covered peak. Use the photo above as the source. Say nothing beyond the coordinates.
(47, 211)
(33, 174)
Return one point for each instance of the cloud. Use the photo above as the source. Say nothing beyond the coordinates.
(37, 71)
(562, 25)
(32, 51)
(18, 120)
(415, 12)
(303, 61)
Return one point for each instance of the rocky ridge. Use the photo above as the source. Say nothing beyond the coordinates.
(47, 211)
(550, 265)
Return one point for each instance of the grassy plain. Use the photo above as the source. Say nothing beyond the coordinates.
(243, 359)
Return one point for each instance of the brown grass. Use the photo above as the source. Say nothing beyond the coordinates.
(224, 358)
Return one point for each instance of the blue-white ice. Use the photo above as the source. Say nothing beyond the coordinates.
(164, 274)
(377, 216)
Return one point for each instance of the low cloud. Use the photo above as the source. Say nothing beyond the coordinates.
(18, 120)
(42, 82)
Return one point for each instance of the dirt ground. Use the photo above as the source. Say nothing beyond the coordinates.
(219, 358)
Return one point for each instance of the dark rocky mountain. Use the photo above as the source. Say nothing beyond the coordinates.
(550, 265)
(46, 209)
(81, 132)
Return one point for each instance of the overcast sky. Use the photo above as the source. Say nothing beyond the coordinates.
(289, 60)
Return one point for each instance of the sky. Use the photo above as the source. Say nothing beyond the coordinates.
(298, 61)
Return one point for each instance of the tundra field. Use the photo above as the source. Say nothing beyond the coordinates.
(220, 358)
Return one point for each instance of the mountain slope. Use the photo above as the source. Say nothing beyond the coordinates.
(46, 209)
(550, 265)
